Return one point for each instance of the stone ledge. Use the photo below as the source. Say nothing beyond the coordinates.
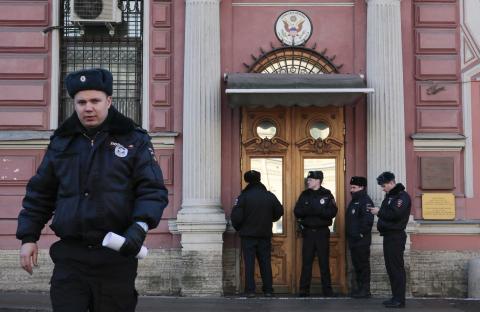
(16, 139)
(33, 140)
(460, 227)
(173, 228)
(163, 134)
(201, 231)
(446, 142)
(17, 135)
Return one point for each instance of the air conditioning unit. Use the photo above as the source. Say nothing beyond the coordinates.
(95, 11)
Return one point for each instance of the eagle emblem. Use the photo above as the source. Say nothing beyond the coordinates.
(293, 28)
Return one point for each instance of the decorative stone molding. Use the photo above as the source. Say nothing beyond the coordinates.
(24, 140)
(172, 226)
(39, 140)
(201, 231)
(266, 145)
(319, 146)
(470, 227)
(438, 142)
(163, 140)
(447, 227)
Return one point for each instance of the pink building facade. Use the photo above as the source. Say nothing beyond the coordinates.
(417, 114)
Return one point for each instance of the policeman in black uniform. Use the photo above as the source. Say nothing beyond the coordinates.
(99, 175)
(252, 216)
(359, 221)
(392, 220)
(315, 210)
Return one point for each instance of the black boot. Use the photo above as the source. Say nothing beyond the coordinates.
(329, 293)
(362, 294)
(304, 293)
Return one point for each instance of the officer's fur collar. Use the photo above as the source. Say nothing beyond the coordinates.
(116, 123)
(252, 185)
(397, 189)
(321, 190)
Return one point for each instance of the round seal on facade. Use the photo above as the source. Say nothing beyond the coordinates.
(293, 28)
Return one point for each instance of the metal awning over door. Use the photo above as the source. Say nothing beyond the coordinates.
(269, 90)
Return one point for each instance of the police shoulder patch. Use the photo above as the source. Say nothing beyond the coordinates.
(152, 153)
(140, 129)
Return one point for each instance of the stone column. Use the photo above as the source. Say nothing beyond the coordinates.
(385, 109)
(201, 221)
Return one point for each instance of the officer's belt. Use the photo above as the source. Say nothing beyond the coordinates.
(79, 242)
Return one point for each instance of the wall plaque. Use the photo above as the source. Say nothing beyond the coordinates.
(438, 206)
(436, 173)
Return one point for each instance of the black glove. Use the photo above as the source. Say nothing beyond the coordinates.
(134, 237)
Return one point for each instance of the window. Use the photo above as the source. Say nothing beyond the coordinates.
(91, 46)
(298, 60)
(271, 171)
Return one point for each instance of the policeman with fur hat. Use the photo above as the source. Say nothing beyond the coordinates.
(393, 217)
(359, 221)
(315, 210)
(252, 216)
(99, 175)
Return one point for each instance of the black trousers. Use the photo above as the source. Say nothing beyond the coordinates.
(91, 279)
(260, 248)
(316, 242)
(393, 249)
(361, 264)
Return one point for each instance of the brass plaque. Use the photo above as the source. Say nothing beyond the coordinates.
(438, 206)
(436, 173)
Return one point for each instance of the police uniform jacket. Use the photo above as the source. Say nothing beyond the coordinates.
(315, 209)
(94, 185)
(255, 210)
(395, 211)
(358, 220)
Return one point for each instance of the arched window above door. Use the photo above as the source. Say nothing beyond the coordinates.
(293, 60)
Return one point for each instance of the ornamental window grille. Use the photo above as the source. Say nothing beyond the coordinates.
(293, 60)
(93, 46)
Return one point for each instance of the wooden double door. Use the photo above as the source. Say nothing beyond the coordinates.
(284, 143)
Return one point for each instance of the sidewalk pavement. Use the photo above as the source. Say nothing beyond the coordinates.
(18, 301)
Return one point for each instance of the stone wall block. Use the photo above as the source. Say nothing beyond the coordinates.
(201, 273)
